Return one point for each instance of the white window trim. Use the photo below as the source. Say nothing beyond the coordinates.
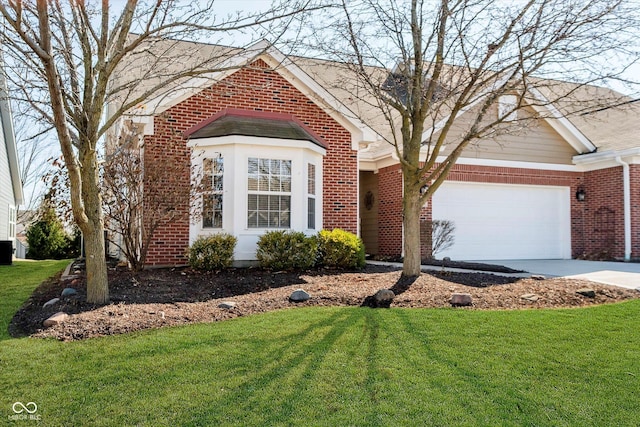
(11, 230)
(280, 193)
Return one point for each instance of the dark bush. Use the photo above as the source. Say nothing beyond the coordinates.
(341, 249)
(287, 250)
(47, 238)
(212, 252)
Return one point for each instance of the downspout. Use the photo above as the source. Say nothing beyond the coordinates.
(627, 207)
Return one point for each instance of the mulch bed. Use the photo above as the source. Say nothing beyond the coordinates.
(167, 297)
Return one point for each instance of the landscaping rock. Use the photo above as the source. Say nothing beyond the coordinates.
(383, 298)
(538, 277)
(461, 299)
(57, 318)
(586, 292)
(530, 297)
(228, 305)
(299, 295)
(50, 302)
(67, 292)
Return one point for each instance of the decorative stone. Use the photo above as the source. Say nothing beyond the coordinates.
(461, 299)
(75, 282)
(530, 297)
(50, 302)
(383, 298)
(299, 295)
(67, 292)
(57, 318)
(538, 277)
(586, 292)
(228, 305)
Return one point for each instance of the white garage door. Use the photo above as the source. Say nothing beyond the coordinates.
(501, 221)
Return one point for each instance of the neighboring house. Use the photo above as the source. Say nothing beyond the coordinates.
(277, 144)
(10, 184)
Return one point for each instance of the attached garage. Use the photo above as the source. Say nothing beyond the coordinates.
(505, 221)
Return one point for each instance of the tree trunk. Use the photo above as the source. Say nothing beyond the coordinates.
(93, 231)
(411, 228)
(96, 265)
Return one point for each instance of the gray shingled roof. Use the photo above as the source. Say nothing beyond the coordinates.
(255, 124)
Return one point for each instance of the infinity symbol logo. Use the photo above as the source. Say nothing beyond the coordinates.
(20, 407)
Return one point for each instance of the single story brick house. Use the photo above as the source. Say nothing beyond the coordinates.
(279, 145)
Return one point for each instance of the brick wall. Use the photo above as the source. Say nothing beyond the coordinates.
(603, 214)
(252, 88)
(597, 224)
(390, 211)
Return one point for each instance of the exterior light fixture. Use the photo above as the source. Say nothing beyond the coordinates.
(580, 195)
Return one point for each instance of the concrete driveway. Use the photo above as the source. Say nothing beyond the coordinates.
(624, 274)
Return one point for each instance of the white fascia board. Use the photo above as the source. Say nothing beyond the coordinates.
(255, 141)
(512, 164)
(606, 159)
(360, 132)
(562, 125)
(10, 141)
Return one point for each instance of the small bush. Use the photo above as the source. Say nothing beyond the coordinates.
(341, 249)
(212, 252)
(47, 238)
(287, 250)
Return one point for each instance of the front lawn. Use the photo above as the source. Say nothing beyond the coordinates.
(341, 366)
(17, 281)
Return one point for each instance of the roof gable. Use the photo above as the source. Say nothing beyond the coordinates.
(281, 64)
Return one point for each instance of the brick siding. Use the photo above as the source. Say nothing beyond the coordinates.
(258, 88)
(597, 224)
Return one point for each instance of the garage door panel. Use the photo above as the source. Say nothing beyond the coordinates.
(503, 221)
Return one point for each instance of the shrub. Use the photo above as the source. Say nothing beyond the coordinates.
(47, 238)
(286, 250)
(341, 249)
(212, 252)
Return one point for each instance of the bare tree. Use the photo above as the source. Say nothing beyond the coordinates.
(62, 58)
(36, 149)
(471, 58)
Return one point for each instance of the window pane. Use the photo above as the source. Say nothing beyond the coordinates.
(253, 183)
(311, 183)
(263, 220)
(253, 166)
(217, 183)
(252, 219)
(264, 166)
(218, 167)
(311, 213)
(286, 167)
(285, 184)
(207, 173)
(253, 202)
(263, 203)
(269, 210)
(275, 167)
(263, 184)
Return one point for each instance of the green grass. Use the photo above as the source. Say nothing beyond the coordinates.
(17, 281)
(342, 366)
